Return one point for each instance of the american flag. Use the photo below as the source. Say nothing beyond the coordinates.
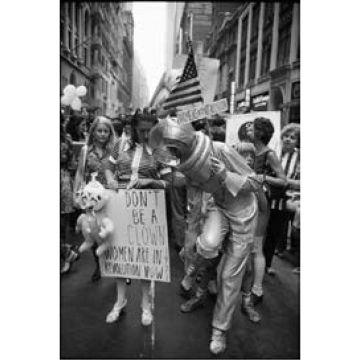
(187, 90)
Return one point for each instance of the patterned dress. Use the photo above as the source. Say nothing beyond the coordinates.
(95, 162)
(120, 163)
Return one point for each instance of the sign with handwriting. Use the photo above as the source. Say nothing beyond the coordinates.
(139, 248)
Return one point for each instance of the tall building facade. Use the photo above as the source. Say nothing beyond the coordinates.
(128, 56)
(196, 22)
(174, 12)
(96, 50)
(258, 45)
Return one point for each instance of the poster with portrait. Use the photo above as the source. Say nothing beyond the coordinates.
(139, 248)
(236, 127)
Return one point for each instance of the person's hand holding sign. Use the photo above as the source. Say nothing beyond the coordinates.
(139, 183)
(146, 183)
(113, 184)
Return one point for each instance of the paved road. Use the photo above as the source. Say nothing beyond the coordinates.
(84, 333)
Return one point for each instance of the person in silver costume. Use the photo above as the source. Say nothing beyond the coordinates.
(218, 169)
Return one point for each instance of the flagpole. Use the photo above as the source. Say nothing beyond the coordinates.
(191, 26)
(206, 119)
(190, 45)
(152, 291)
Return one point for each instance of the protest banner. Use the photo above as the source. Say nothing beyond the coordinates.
(236, 123)
(203, 111)
(139, 248)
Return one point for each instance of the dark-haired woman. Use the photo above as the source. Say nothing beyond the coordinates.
(76, 127)
(134, 167)
(268, 165)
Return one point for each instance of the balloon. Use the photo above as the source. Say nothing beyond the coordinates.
(76, 104)
(65, 100)
(81, 91)
(69, 90)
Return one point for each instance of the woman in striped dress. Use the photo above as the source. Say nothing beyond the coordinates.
(134, 167)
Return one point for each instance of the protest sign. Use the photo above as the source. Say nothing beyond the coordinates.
(236, 123)
(139, 249)
(202, 111)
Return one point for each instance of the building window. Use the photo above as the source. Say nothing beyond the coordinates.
(294, 116)
(235, 32)
(70, 25)
(73, 79)
(79, 21)
(103, 86)
(255, 22)
(86, 39)
(267, 37)
(220, 85)
(244, 32)
(242, 69)
(225, 77)
(76, 37)
(254, 40)
(253, 56)
(232, 59)
(285, 20)
(266, 54)
(269, 14)
(92, 91)
(298, 51)
(93, 57)
(63, 82)
(62, 23)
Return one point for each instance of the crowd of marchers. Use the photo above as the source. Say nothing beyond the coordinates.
(226, 232)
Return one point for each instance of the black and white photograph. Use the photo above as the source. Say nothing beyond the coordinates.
(180, 180)
(161, 219)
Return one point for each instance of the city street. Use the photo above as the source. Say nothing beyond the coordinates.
(84, 333)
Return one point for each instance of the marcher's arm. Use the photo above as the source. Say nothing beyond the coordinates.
(148, 183)
(293, 184)
(79, 175)
(236, 176)
(280, 179)
(245, 183)
(110, 168)
(110, 180)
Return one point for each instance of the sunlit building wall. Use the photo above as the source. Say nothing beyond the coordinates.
(174, 12)
(96, 50)
(258, 46)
